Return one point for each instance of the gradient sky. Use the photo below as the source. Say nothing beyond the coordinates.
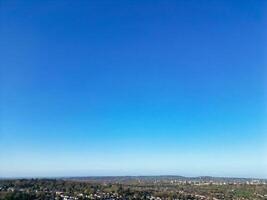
(133, 88)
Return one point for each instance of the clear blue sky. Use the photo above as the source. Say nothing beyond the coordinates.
(133, 88)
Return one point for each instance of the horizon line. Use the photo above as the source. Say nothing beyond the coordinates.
(109, 176)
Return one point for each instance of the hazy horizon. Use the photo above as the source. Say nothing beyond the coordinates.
(131, 88)
(132, 176)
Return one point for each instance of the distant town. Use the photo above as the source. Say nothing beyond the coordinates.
(134, 187)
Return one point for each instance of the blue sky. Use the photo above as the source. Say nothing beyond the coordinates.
(133, 88)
